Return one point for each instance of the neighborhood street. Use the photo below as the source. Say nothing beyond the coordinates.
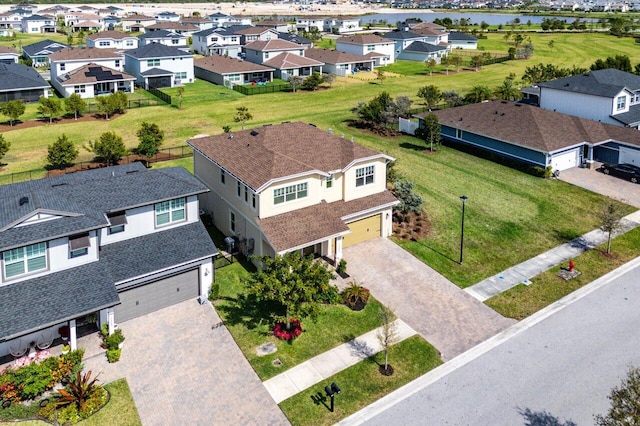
(561, 362)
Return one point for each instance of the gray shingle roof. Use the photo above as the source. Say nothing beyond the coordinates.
(630, 118)
(420, 46)
(53, 298)
(607, 82)
(160, 34)
(49, 46)
(155, 72)
(156, 50)
(401, 35)
(460, 36)
(295, 38)
(20, 77)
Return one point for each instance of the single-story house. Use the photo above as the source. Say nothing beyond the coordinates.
(421, 51)
(227, 71)
(8, 55)
(39, 52)
(460, 40)
(92, 80)
(537, 136)
(21, 82)
(340, 63)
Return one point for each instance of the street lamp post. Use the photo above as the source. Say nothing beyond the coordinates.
(464, 201)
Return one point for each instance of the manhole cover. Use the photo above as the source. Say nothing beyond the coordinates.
(266, 349)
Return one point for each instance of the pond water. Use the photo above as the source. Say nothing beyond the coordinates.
(474, 18)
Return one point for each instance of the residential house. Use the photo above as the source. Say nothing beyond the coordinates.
(56, 11)
(39, 52)
(227, 71)
(168, 38)
(536, 136)
(217, 41)
(115, 10)
(219, 19)
(295, 38)
(84, 21)
(248, 34)
(21, 82)
(287, 58)
(136, 23)
(342, 25)
(67, 60)
(156, 65)
(340, 63)
(309, 24)
(176, 27)
(404, 39)
(10, 21)
(111, 21)
(38, 24)
(380, 49)
(93, 80)
(293, 187)
(112, 40)
(420, 51)
(610, 95)
(8, 55)
(278, 26)
(167, 17)
(22, 11)
(198, 21)
(432, 34)
(460, 40)
(98, 247)
(238, 20)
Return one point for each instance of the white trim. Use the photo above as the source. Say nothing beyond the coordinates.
(371, 210)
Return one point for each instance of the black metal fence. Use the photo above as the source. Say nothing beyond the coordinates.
(92, 107)
(258, 89)
(164, 97)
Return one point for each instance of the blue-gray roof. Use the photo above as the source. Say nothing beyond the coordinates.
(294, 38)
(156, 50)
(50, 299)
(43, 47)
(82, 199)
(155, 72)
(157, 251)
(402, 35)
(460, 36)
(37, 18)
(420, 46)
(606, 83)
(20, 77)
(630, 118)
(167, 14)
(160, 34)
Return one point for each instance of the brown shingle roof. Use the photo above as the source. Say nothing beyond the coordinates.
(334, 56)
(270, 152)
(254, 30)
(5, 50)
(531, 126)
(273, 44)
(270, 23)
(225, 65)
(320, 221)
(362, 39)
(138, 17)
(93, 73)
(172, 26)
(115, 35)
(72, 54)
(290, 60)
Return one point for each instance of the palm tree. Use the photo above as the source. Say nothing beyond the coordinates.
(507, 90)
(479, 93)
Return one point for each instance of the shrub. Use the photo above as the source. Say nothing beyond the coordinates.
(355, 296)
(214, 293)
(113, 355)
(281, 332)
(330, 296)
(81, 398)
(104, 329)
(32, 380)
(113, 341)
(342, 267)
(75, 358)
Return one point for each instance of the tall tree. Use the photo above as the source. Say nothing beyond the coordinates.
(625, 402)
(75, 104)
(62, 153)
(430, 94)
(242, 115)
(12, 109)
(610, 216)
(108, 148)
(431, 64)
(4, 146)
(150, 139)
(50, 108)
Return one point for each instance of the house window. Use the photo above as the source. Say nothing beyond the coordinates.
(301, 52)
(253, 201)
(371, 48)
(63, 67)
(364, 176)
(232, 221)
(233, 77)
(329, 181)
(238, 189)
(234, 39)
(79, 89)
(289, 193)
(117, 221)
(153, 62)
(181, 76)
(621, 102)
(175, 41)
(459, 133)
(170, 211)
(266, 55)
(104, 43)
(246, 194)
(117, 63)
(24, 260)
(222, 176)
(79, 245)
(129, 43)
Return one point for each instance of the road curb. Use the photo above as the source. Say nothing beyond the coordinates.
(436, 374)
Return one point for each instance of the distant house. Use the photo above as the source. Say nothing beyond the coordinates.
(93, 80)
(167, 17)
(309, 24)
(295, 38)
(460, 40)
(340, 63)
(112, 40)
(156, 65)
(137, 23)
(216, 41)
(38, 24)
(21, 82)
(278, 26)
(111, 21)
(227, 71)
(287, 58)
(168, 38)
(39, 52)
(248, 34)
(342, 25)
(176, 27)
(67, 60)
(200, 22)
(219, 19)
(403, 39)
(380, 49)
(10, 21)
(8, 55)
(84, 22)
(420, 51)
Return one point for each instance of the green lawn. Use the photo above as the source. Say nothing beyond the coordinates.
(249, 323)
(546, 288)
(361, 384)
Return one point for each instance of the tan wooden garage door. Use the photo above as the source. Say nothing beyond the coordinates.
(362, 230)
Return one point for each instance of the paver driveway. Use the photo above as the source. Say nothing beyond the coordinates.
(611, 186)
(448, 317)
(185, 369)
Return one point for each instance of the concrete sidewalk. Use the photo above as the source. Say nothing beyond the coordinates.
(523, 272)
(325, 365)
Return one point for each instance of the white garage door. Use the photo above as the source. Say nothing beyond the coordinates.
(565, 161)
(629, 156)
(157, 295)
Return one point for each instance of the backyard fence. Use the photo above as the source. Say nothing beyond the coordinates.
(92, 107)
(164, 97)
(258, 90)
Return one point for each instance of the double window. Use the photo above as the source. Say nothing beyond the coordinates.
(170, 211)
(25, 260)
(364, 176)
(79, 89)
(289, 193)
(153, 62)
(621, 103)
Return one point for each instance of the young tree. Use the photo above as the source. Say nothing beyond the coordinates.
(380, 76)
(295, 81)
(296, 283)
(625, 402)
(119, 101)
(49, 107)
(4, 146)
(452, 98)
(329, 79)
(312, 82)
(387, 336)
(431, 95)
(108, 148)
(12, 109)
(105, 106)
(375, 111)
(477, 62)
(242, 115)
(431, 64)
(150, 139)
(445, 61)
(75, 104)
(610, 216)
(410, 201)
(62, 153)
(429, 131)
(180, 96)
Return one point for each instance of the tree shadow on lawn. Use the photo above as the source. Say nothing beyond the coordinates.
(412, 146)
(247, 310)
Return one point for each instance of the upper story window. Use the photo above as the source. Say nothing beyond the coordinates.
(153, 62)
(117, 63)
(24, 260)
(289, 193)
(364, 176)
(238, 189)
(63, 66)
(104, 43)
(79, 245)
(621, 102)
(222, 176)
(175, 41)
(253, 201)
(266, 55)
(117, 221)
(170, 211)
(129, 42)
(246, 194)
(371, 48)
(329, 181)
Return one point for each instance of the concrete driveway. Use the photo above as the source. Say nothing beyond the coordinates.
(448, 317)
(184, 368)
(597, 182)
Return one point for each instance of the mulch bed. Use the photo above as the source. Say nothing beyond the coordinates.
(386, 372)
(18, 125)
(411, 226)
(161, 156)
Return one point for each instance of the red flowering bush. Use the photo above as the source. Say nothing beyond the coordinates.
(281, 332)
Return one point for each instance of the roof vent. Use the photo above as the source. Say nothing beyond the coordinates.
(24, 200)
(496, 112)
(501, 114)
(254, 133)
(230, 135)
(59, 184)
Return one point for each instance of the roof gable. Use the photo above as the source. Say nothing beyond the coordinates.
(156, 50)
(17, 77)
(607, 83)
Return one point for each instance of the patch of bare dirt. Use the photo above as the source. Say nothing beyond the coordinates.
(411, 226)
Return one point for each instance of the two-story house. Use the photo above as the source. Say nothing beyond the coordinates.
(217, 41)
(249, 34)
(112, 40)
(39, 52)
(10, 21)
(105, 245)
(610, 96)
(38, 24)
(167, 17)
(198, 21)
(380, 49)
(136, 23)
(287, 58)
(342, 25)
(166, 37)
(8, 55)
(414, 43)
(66, 60)
(218, 19)
(293, 187)
(156, 65)
(176, 27)
(309, 23)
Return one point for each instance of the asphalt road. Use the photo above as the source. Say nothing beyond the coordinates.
(562, 366)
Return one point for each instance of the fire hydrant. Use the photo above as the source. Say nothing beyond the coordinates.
(571, 265)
